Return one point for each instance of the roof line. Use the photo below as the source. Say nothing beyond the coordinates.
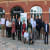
(22, 1)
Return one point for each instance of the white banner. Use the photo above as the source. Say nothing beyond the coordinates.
(23, 17)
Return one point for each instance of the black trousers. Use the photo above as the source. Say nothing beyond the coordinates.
(19, 35)
(16, 31)
(13, 36)
(7, 31)
(46, 38)
(38, 33)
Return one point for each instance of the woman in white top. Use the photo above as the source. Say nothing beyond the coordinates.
(3, 25)
(7, 28)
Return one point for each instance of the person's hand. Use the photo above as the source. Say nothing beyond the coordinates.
(23, 29)
(31, 37)
(37, 24)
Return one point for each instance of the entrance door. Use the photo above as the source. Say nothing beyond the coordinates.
(16, 10)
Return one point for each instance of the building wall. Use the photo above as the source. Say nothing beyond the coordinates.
(7, 6)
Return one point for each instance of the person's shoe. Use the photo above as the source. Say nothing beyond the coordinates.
(24, 42)
(47, 43)
(13, 38)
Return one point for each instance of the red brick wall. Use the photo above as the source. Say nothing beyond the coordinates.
(26, 7)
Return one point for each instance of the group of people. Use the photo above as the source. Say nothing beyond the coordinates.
(34, 29)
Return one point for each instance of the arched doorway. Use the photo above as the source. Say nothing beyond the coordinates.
(16, 10)
(36, 11)
(2, 12)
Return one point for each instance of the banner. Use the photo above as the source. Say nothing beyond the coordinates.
(23, 17)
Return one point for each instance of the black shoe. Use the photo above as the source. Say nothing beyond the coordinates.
(13, 38)
(24, 42)
(47, 43)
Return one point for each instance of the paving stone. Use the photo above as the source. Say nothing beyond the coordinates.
(9, 44)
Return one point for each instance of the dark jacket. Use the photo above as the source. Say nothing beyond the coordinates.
(43, 24)
(37, 24)
(47, 27)
(40, 23)
(29, 26)
(19, 27)
(16, 23)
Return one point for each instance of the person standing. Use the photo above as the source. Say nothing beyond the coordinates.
(7, 28)
(10, 27)
(16, 24)
(19, 28)
(38, 26)
(3, 25)
(29, 26)
(42, 29)
(46, 27)
(34, 28)
(13, 30)
(23, 27)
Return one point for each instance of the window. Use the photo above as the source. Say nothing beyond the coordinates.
(36, 11)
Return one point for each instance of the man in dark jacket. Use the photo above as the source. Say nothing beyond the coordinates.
(19, 28)
(16, 24)
(38, 26)
(46, 28)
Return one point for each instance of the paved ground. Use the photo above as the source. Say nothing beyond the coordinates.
(9, 44)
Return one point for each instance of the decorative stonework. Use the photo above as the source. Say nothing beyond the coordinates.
(45, 2)
(26, 2)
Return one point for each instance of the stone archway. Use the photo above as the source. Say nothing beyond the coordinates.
(36, 11)
(16, 10)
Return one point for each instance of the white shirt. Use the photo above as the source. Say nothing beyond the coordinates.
(26, 35)
(7, 23)
(34, 24)
(19, 22)
(31, 20)
(2, 20)
(46, 27)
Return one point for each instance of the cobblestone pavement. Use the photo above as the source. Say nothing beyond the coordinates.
(9, 44)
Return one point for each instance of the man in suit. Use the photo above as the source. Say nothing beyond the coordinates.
(46, 27)
(38, 26)
(16, 24)
(19, 28)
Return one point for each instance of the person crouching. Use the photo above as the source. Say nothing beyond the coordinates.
(26, 37)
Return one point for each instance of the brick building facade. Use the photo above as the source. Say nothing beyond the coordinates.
(26, 5)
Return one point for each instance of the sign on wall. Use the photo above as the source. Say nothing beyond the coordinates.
(23, 17)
